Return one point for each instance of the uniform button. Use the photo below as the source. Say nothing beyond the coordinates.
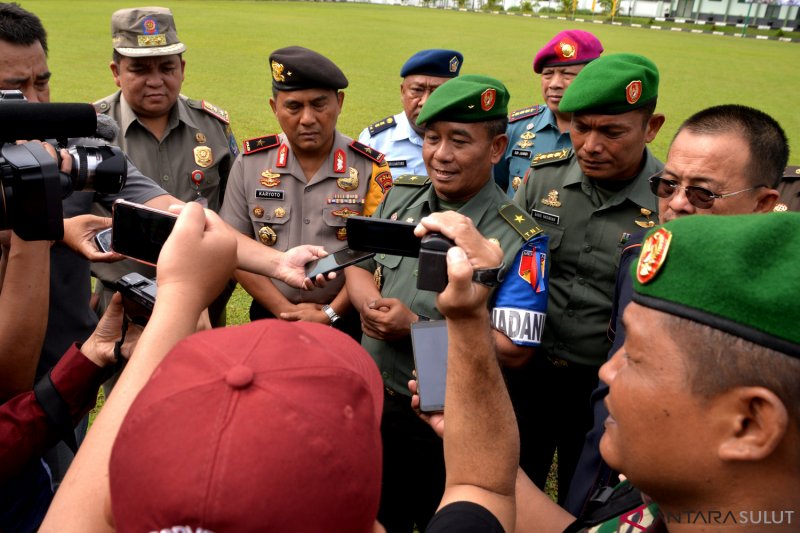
(415, 273)
(307, 221)
(587, 248)
(383, 256)
(581, 281)
(165, 177)
(385, 375)
(570, 312)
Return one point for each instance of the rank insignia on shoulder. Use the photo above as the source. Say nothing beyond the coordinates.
(411, 179)
(215, 111)
(522, 222)
(382, 125)
(551, 157)
(257, 144)
(368, 152)
(526, 112)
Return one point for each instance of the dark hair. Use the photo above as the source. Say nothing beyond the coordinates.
(496, 127)
(769, 148)
(718, 361)
(21, 27)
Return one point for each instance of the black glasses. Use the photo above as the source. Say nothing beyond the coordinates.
(697, 196)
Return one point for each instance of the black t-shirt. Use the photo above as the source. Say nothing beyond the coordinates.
(464, 517)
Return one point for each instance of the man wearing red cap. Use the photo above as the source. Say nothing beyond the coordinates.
(538, 130)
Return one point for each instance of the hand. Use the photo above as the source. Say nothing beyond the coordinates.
(307, 312)
(99, 347)
(482, 252)
(462, 298)
(291, 268)
(197, 260)
(435, 420)
(79, 235)
(387, 319)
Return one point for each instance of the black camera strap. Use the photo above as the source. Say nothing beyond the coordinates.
(56, 409)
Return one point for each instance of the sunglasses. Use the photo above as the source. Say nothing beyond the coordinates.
(698, 196)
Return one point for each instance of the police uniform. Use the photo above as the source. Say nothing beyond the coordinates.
(531, 130)
(393, 135)
(589, 223)
(270, 199)
(194, 157)
(789, 188)
(402, 145)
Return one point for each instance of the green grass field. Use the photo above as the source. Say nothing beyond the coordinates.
(229, 42)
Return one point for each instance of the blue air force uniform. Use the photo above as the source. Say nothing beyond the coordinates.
(402, 145)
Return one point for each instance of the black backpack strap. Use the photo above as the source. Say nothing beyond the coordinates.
(606, 504)
(56, 409)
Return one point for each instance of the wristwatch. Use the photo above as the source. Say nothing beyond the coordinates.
(490, 277)
(332, 316)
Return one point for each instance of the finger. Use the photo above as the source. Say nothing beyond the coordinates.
(459, 270)
(192, 220)
(176, 208)
(292, 316)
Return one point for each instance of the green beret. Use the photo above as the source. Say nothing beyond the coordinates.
(468, 98)
(295, 68)
(612, 84)
(736, 273)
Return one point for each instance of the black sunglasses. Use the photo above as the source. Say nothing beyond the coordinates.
(697, 196)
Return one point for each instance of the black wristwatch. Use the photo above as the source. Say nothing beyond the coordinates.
(490, 277)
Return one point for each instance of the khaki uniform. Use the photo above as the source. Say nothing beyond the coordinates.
(269, 198)
(192, 159)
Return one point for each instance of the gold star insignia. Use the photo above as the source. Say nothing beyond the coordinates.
(412, 178)
(518, 218)
(260, 142)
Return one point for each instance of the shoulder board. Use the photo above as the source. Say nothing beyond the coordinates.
(411, 179)
(526, 112)
(257, 144)
(101, 106)
(522, 222)
(366, 151)
(216, 112)
(791, 172)
(551, 157)
(382, 125)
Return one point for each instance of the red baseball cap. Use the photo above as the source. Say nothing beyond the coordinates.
(272, 425)
(569, 47)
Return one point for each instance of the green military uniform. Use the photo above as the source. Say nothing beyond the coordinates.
(270, 199)
(588, 229)
(195, 155)
(413, 198)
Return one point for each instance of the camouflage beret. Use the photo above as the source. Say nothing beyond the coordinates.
(468, 98)
(295, 68)
(611, 85)
(734, 273)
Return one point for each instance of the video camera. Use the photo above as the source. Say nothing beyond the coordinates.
(397, 238)
(31, 186)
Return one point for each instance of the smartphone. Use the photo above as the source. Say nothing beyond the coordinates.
(335, 261)
(429, 341)
(103, 240)
(382, 236)
(139, 231)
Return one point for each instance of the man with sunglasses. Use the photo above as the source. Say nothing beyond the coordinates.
(724, 160)
(589, 200)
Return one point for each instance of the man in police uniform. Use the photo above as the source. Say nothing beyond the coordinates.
(300, 186)
(184, 145)
(465, 122)
(589, 204)
(398, 136)
(537, 131)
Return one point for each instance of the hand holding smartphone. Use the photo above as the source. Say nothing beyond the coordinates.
(335, 262)
(429, 340)
(139, 232)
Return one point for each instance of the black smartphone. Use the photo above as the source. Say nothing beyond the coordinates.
(103, 240)
(382, 236)
(335, 261)
(429, 341)
(139, 231)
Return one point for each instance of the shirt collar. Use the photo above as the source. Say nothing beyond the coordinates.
(178, 113)
(549, 123)
(403, 130)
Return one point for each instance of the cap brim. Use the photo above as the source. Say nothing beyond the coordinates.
(177, 48)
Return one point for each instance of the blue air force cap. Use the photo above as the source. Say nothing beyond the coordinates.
(434, 62)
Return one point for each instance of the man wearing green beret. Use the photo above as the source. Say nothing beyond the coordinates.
(589, 200)
(465, 121)
(704, 400)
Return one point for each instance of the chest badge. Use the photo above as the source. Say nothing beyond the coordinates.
(341, 234)
(528, 135)
(349, 183)
(200, 137)
(267, 236)
(345, 212)
(516, 182)
(203, 156)
(279, 212)
(269, 178)
(552, 199)
(524, 144)
(646, 223)
(258, 212)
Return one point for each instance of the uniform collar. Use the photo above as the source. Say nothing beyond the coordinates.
(474, 208)
(177, 114)
(403, 130)
(340, 143)
(548, 120)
